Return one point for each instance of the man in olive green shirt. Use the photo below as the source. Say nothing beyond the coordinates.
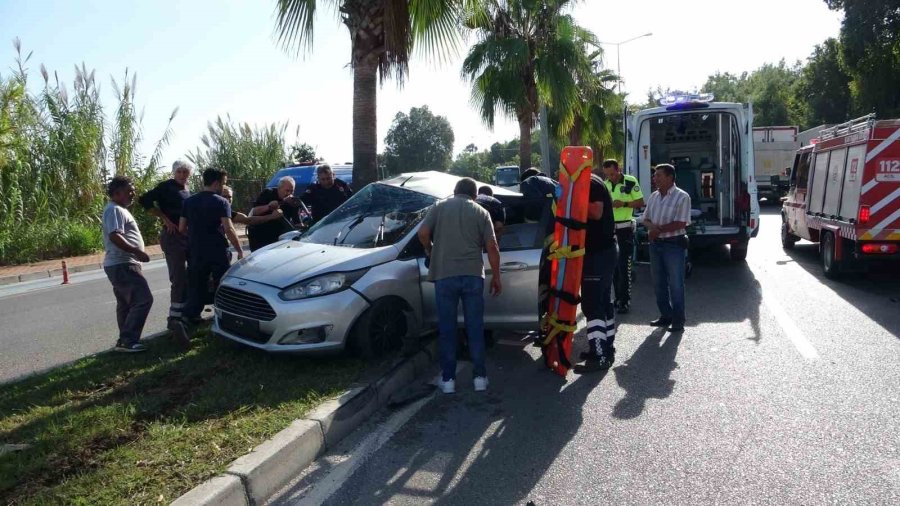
(455, 233)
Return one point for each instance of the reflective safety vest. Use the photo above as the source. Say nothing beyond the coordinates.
(627, 190)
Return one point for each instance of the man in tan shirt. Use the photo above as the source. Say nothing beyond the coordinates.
(455, 233)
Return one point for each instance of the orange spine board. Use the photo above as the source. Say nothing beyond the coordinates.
(576, 163)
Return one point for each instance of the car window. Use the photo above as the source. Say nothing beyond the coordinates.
(520, 236)
(379, 215)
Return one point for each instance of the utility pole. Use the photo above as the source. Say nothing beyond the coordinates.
(545, 143)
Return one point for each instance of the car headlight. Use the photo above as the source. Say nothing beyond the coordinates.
(321, 285)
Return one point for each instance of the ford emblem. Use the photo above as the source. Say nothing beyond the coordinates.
(242, 283)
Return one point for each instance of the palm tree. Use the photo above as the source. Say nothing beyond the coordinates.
(383, 34)
(596, 118)
(527, 54)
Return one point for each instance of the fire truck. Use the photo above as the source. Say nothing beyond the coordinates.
(845, 195)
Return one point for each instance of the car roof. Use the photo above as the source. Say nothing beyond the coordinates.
(439, 184)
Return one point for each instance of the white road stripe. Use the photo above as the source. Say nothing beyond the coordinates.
(884, 144)
(326, 486)
(791, 330)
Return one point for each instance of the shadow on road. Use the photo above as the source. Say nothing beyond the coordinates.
(646, 374)
(470, 448)
(875, 293)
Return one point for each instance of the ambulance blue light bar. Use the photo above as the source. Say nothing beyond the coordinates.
(683, 101)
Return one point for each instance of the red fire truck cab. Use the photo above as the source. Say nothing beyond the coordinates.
(845, 194)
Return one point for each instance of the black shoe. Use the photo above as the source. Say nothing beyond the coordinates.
(596, 364)
(677, 327)
(130, 348)
(588, 355)
(180, 332)
(622, 309)
(661, 322)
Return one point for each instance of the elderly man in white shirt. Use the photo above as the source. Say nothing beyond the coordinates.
(667, 216)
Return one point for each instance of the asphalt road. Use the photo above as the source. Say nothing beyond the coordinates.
(44, 324)
(784, 389)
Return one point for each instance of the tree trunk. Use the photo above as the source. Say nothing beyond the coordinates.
(365, 131)
(524, 142)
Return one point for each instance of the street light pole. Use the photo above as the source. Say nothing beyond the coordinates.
(619, 76)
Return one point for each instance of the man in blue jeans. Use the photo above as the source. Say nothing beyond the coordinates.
(454, 233)
(667, 216)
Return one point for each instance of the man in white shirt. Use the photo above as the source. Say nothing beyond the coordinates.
(124, 247)
(667, 216)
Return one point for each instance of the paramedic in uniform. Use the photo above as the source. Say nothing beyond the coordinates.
(600, 250)
(667, 216)
(626, 195)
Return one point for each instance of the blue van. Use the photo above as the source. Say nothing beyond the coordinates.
(305, 175)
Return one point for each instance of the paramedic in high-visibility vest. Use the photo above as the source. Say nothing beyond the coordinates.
(626, 196)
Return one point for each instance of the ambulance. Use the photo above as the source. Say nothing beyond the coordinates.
(710, 144)
(845, 195)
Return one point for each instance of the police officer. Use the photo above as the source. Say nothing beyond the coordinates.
(164, 201)
(626, 196)
(326, 194)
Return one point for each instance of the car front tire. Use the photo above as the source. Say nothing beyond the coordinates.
(379, 331)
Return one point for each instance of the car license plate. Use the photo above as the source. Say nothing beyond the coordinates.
(243, 327)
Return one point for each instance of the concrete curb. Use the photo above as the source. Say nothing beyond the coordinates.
(57, 272)
(271, 465)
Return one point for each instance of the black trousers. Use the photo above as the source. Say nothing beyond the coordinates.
(596, 299)
(622, 279)
(203, 267)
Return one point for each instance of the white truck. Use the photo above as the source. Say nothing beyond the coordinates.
(711, 146)
(773, 152)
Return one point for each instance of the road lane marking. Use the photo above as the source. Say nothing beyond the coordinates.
(790, 329)
(326, 486)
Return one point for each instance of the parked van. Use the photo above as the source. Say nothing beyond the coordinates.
(710, 144)
(845, 194)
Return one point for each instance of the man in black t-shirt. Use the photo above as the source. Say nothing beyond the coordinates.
(326, 194)
(601, 253)
(206, 220)
(164, 201)
(271, 199)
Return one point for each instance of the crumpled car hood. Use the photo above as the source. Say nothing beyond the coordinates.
(285, 263)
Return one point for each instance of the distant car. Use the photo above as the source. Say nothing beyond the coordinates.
(358, 278)
(305, 175)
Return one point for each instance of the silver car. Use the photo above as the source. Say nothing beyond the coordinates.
(358, 278)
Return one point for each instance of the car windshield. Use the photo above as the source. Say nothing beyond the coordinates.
(379, 215)
(507, 177)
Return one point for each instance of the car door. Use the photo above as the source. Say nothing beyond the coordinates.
(516, 307)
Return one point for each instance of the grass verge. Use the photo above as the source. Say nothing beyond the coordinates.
(145, 428)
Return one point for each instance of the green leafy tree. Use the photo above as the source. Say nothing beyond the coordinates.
(870, 50)
(303, 152)
(418, 141)
(383, 34)
(770, 88)
(727, 87)
(526, 54)
(824, 87)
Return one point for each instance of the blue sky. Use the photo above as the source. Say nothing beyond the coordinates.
(220, 57)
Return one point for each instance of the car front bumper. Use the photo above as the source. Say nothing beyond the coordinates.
(323, 322)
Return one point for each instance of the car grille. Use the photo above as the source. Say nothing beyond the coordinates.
(246, 304)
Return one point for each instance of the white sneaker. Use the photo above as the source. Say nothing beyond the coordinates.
(448, 387)
(481, 384)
